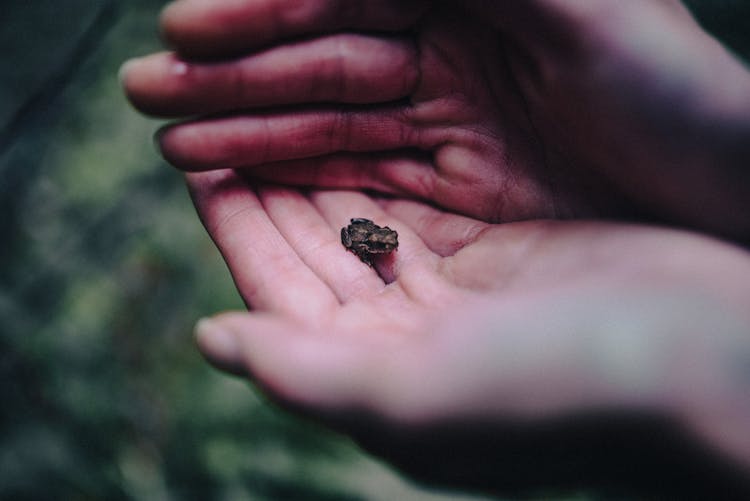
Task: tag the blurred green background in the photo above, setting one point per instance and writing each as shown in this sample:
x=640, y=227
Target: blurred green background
x=105, y=269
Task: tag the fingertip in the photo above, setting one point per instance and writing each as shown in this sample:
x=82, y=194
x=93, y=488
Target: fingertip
x=201, y=29
x=130, y=76
x=159, y=142
x=155, y=83
x=125, y=69
x=187, y=147
x=171, y=21
x=159, y=139
x=219, y=344
x=214, y=339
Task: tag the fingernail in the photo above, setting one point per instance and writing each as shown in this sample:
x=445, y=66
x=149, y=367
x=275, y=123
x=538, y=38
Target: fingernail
x=217, y=343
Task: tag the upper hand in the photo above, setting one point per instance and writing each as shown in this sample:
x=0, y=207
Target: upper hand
x=500, y=112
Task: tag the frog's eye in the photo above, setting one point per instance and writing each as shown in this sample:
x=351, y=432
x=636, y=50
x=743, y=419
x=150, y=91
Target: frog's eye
x=346, y=238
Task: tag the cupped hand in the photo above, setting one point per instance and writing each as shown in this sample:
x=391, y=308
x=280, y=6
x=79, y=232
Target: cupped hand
x=430, y=357
x=499, y=111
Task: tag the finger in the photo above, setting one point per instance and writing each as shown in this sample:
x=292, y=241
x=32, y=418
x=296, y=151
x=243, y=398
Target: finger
x=342, y=68
x=217, y=28
x=444, y=233
x=318, y=244
x=413, y=378
x=253, y=140
x=312, y=370
x=268, y=273
x=399, y=173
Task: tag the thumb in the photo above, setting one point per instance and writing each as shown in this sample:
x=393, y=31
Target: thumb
x=315, y=370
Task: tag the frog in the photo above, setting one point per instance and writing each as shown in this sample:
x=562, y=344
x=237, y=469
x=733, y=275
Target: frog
x=366, y=239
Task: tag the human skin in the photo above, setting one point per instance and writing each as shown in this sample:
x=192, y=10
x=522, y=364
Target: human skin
x=502, y=111
x=471, y=326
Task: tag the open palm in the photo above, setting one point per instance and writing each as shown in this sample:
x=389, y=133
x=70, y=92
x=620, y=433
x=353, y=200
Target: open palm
x=466, y=323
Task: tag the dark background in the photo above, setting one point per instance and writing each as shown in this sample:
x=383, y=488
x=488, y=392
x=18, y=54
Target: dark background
x=105, y=269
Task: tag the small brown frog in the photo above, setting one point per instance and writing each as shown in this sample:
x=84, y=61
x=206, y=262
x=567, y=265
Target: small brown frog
x=365, y=239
